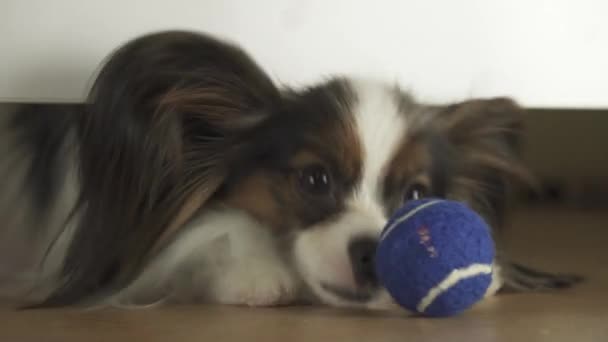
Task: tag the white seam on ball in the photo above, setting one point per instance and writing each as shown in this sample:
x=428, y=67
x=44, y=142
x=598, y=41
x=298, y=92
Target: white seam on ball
x=452, y=279
x=407, y=216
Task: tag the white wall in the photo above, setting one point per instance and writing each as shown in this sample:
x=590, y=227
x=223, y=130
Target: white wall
x=544, y=53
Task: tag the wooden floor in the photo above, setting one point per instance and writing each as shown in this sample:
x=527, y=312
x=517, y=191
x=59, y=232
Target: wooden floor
x=558, y=240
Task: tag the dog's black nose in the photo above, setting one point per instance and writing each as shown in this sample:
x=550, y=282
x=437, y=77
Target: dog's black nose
x=362, y=252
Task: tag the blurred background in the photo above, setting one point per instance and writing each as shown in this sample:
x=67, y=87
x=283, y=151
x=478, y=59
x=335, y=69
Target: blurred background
x=567, y=149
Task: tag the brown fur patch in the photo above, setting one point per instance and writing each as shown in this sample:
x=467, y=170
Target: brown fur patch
x=324, y=133
x=343, y=143
x=485, y=137
x=487, y=132
x=412, y=158
x=411, y=163
x=467, y=152
x=255, y=196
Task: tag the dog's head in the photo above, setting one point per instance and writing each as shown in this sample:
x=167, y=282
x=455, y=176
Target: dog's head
x=339, y=158
x=194, y=120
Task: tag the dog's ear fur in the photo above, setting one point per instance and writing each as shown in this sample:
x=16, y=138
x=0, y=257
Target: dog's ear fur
x=161, y=121
x=485, y=138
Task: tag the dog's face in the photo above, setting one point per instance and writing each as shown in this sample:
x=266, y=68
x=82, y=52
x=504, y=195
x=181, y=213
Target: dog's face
x=347, y=155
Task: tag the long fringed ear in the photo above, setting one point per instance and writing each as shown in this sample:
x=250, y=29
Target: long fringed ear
x=155, y=144
x=485, y=136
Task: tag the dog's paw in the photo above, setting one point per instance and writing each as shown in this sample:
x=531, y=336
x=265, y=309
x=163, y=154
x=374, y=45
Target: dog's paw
x=518, y=278
x=256, y=284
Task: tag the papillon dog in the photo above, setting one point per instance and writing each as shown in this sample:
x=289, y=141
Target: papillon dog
x=189, y=176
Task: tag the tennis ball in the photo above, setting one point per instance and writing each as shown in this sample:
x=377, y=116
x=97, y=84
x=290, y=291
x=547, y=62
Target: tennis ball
x=435, y=257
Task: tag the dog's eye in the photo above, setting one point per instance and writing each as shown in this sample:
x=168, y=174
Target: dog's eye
x=414, y=192
x=315, y=180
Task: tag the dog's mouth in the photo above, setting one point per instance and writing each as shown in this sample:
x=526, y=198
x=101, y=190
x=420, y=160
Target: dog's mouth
x=360, y=295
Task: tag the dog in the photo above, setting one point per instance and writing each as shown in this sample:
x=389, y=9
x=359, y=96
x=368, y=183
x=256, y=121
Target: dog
x=189, y=176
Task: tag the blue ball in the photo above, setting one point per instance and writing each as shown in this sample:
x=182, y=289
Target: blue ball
x=435, y=257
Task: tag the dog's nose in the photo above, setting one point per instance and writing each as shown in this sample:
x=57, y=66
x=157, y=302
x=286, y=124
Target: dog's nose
x=362, y=253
